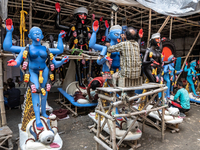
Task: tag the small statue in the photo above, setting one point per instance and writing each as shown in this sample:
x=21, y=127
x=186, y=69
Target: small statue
x=170, y=75
x=192, y=76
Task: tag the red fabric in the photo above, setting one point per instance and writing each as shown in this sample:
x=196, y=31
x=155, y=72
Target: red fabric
x=176, y=104
x=100, y=79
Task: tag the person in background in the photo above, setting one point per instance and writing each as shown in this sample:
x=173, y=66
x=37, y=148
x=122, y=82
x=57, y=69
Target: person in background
x=13, y=95
x=96, y=82
x=182, y=94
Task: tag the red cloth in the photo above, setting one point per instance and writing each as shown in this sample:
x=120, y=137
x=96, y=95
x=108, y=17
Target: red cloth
x=100, y=79
x=176, y=104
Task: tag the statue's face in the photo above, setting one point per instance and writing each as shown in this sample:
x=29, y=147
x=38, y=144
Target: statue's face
x=115, y=35
x=193, y=64
x=170, y=58
x=82, y=17
x=36, y=34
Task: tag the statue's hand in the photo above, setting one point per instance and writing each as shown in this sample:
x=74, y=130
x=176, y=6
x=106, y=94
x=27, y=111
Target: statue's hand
x=141, y=33
x=12, y=62
x=57, y=6
x=106, y=24
x=9, y=27
x=65, y=59
x=62, y=34
x=95, y=26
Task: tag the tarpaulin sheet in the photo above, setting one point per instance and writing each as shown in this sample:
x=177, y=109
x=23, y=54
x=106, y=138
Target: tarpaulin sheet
x=3, y=9
x=173, y=7
x=165, y=7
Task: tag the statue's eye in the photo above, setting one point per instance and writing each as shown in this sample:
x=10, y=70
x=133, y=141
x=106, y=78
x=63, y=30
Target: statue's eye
x=116, y=34
x=35, y=34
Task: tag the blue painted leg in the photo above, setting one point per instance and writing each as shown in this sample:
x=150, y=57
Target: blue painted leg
x=44, y=98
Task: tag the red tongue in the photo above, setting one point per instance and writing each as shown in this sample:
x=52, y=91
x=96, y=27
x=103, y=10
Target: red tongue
x=83, y=22
x=38, y=39
x=118, y=40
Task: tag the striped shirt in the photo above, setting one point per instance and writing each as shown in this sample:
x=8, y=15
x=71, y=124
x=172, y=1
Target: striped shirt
x=130, y=61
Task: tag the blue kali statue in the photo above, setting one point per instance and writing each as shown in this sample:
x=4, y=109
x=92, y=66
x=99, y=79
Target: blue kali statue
x=169, y=75
x=115, y=37
x=192, y=75
x=35, y=66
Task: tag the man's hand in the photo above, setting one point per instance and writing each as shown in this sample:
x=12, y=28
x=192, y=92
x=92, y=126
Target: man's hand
x=123, y=37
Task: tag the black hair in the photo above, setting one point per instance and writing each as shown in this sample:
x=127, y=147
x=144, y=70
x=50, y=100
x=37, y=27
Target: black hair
x=11, y=84
x=95, y=84
x=129, y=35
x=180, y=83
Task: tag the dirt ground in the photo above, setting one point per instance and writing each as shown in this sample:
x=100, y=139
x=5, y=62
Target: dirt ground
x=76, y=134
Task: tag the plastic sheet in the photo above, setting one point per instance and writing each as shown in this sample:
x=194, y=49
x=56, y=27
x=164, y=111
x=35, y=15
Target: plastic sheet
x=3, y=9
x=165, y=7
x=173, y=7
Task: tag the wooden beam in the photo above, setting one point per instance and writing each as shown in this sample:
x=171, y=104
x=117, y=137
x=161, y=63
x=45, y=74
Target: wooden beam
x=149, y=33
x=163, y=25
x=170, y=31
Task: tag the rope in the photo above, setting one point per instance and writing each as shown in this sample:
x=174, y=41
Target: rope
x=22, y=27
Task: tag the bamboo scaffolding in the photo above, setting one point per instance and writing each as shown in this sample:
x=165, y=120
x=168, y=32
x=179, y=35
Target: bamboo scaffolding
x=140, y=95
x=188, y=55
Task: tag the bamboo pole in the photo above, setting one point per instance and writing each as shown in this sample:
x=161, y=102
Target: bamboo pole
x=164, y=24
x=188, y=55
x=111, y=18
x=3, y=113
x=125, y=134
x=30, y=18
x=101, y=136
x=114, y=146
x=104, y=114
x=106, y=97
x=115, y=18
x=170, y=31
x=98, y=130
x=59, y=57
x=141, y=95
x=163, y=120
x=102, y=143
x=138, y=113
x=149, y=33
